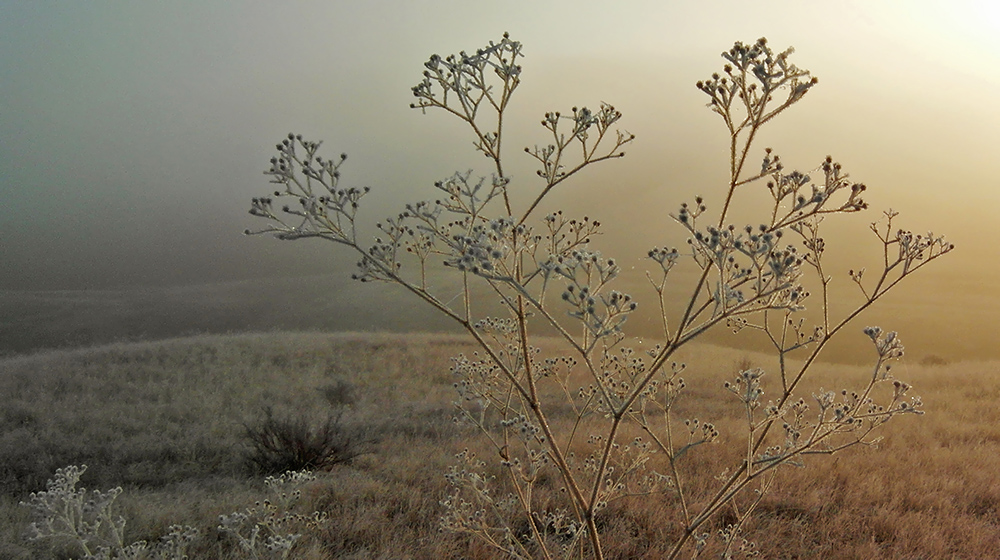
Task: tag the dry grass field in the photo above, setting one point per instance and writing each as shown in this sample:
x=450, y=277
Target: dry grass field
x=166, y=421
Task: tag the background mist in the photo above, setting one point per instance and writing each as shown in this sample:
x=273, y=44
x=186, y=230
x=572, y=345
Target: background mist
x=132, y=137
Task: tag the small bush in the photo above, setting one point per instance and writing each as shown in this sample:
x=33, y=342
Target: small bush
x=339, y=393
x=294, y=443
x=933, y=360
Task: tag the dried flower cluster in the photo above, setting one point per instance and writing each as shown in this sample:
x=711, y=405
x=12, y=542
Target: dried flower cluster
x=579, y=430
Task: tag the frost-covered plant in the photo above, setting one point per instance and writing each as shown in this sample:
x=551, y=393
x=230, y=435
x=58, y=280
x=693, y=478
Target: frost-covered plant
x=625, y=436
x=263, y=531
x=86, y=519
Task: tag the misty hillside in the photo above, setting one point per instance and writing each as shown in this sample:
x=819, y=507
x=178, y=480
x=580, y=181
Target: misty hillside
x=38, y=320
x=32, y=321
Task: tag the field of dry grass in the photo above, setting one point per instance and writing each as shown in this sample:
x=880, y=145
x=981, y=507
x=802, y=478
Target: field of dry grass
x=166, y=419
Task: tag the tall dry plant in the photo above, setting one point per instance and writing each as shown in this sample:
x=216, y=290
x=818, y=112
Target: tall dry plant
x=542, y=492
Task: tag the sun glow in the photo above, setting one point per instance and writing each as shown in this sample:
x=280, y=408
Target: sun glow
x=962, y=34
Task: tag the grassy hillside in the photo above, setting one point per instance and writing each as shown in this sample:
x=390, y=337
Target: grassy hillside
x=166, y=420
x=42, y=320
x=33, y=321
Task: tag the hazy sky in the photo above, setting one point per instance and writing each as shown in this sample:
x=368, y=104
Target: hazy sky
x=133, y=134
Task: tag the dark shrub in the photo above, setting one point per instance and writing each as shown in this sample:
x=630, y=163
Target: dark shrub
x=292, y=443
x=339, y=393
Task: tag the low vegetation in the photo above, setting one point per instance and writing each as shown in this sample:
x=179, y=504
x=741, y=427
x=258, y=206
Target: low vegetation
x=165, y=422
x=295, y=442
